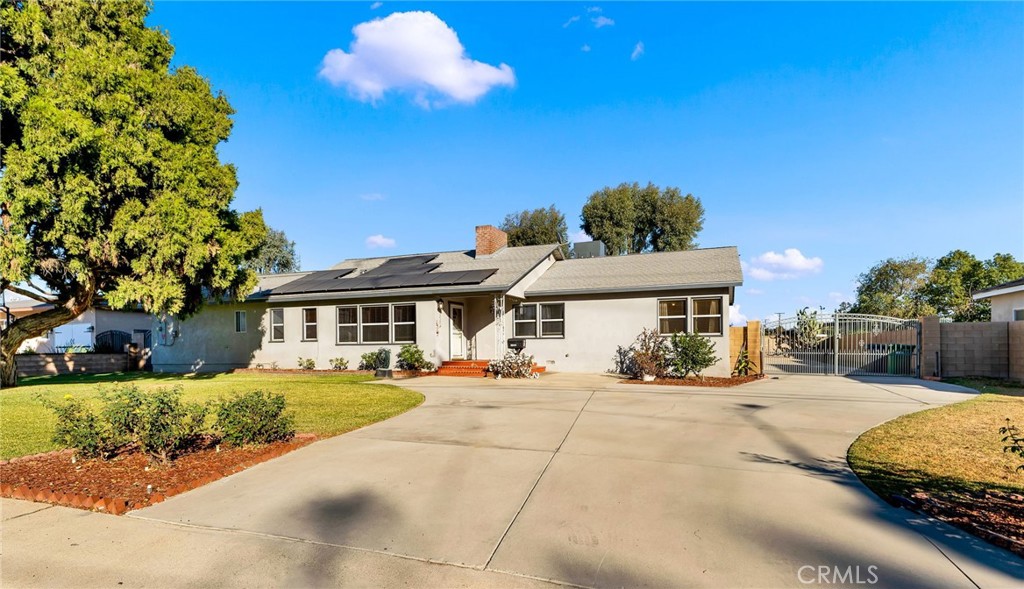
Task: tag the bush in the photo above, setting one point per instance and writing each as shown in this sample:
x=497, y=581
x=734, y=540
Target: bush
x=377, y=360
x=410, y=357
x=691, y=353
x=649, y=354
x=78, y=427
x=167, y=426
x=513, y=365
x=339, y=364
x=307, y=364
x=257, y=417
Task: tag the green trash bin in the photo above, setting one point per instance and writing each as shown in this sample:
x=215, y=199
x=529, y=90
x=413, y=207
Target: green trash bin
x=899, y=359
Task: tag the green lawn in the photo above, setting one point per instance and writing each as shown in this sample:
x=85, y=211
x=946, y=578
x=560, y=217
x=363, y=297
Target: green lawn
x=326, y=405
x=949, y=449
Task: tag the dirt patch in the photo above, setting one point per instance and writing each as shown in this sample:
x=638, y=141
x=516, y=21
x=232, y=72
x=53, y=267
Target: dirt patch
x=995, y=516
x=707, y=381
x=131, y=477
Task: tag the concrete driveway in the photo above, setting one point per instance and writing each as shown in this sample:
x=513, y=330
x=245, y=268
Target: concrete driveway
x=577, y=480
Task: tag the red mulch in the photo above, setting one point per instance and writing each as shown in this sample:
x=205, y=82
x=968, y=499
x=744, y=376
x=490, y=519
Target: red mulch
x=707, y=381
x=127, y=476
x=995, y=516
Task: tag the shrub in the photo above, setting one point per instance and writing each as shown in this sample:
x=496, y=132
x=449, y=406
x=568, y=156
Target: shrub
x=307, y=363
x=339, y=364
x=78, y=427
x=512, y=365
x=649, y=354
x=377, y=360
x=691, y=353
x=410, y=357
x=166, y=425
x=744, y=365
x=257, y=417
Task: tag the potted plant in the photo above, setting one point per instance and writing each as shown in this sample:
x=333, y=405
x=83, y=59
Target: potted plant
x=649, y=355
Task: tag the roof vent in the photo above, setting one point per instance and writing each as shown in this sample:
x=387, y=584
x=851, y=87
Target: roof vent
x=588, y=249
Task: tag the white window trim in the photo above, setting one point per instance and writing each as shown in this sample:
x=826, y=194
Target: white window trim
x=690, y=313
x=685, y=316
x=391, y=316
x=362, y=324
x=720, y=315
x=359, y=324
x=338, y=325
x=314, y=323
x=244, y=324
x=539, y=321
x=270, y=321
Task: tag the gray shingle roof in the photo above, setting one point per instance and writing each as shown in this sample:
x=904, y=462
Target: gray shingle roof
x=690, y=269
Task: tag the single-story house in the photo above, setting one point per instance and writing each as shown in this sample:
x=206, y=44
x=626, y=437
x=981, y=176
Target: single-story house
x=1007, y=300
x=98, y=328
x=572, y=313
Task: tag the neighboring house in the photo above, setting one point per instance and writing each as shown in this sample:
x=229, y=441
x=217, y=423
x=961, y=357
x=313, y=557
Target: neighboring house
x=1007, y=300
x=572, y=313
x=96, y=327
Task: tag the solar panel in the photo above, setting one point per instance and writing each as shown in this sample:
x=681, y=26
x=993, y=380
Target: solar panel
x=313, y=282
x=410, y=271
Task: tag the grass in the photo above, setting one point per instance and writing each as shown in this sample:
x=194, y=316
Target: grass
x=950, y=449
x=985, y=384
x=325, y=405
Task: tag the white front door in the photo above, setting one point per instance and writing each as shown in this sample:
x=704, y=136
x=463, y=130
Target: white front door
x=457, y=345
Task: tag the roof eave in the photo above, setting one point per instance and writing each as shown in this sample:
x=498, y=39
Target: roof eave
x=629, y=289
x=997, y=292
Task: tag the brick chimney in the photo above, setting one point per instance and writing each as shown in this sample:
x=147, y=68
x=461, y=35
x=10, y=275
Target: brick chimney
x=489, y=240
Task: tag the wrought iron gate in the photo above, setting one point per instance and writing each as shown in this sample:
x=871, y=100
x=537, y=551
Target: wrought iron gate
x=841, y=343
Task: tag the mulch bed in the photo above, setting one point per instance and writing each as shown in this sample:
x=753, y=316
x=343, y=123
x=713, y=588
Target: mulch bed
x=994, y=516
x=707, y=381
x=131, y=480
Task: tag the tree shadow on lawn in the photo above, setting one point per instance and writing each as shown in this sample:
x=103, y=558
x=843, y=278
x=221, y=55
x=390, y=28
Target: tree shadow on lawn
x=109, y=377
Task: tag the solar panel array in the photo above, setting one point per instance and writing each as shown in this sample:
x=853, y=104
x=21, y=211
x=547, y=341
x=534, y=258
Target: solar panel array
x=394, y=273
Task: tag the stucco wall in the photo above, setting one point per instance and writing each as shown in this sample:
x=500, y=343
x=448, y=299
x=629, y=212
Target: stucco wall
x=1003, y=306
x=595, y=327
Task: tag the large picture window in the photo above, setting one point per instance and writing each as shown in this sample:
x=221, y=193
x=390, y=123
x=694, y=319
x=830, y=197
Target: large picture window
x=377, y=324
x=672, y=316
x=277, y=325
x=539, y=320
x=707, y=316
x=309, y=324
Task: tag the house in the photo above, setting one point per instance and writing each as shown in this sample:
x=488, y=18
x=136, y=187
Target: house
x=573, y=314
x=98, y=328
x=1007, y=300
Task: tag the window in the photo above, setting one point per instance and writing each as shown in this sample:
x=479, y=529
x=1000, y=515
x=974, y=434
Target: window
x=405, y=323
x=707, y=316
x=1018, y=314
x=375, y=324
x=277, y=325
x=348, y=325
x=309, y=325
x=539, y=320
x=239, y=321
x=672, y=316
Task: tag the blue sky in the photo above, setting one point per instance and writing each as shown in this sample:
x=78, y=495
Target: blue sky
x=821, y=138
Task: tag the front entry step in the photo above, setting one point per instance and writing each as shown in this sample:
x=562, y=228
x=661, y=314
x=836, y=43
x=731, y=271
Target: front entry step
x=471, y=368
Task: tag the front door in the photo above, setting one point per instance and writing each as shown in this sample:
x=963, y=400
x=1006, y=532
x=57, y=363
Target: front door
x=457, y=345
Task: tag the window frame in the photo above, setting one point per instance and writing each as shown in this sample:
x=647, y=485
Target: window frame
x=685, y=316
x=394, y=323
x=720, y=315
x=538, y=321
x=359, y=324
x=306, y=324
x=244, y=324
x=1013, y=314
x=270, y=322
x=363, y=324
x=338, y=325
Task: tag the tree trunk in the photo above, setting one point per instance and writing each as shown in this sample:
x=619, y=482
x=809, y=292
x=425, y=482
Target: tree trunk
x=36, y=325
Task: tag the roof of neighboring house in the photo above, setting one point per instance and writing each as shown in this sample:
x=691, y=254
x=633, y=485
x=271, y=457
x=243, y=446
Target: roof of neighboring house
x=456, y=271
x=1000, y=289
x=712, y=267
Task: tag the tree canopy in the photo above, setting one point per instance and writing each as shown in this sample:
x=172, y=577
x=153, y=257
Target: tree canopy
x=537, y=227
x=912, y=287
x=110, y=182
x=634, y=219
x=275, y=256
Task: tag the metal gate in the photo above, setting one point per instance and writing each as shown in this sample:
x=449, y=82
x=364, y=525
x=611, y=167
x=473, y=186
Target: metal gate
x=841, y=343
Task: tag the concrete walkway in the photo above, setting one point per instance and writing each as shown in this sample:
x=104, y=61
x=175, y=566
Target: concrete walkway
x=577, y=480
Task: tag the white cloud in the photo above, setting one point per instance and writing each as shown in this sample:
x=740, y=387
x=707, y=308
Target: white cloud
x=571, y=20
x=790, y=264
x=638, y=51
x=579, y=236
x=376, y=241
x=585, y=48
x=593, y=9
x=372, y=196
x=414, y=52
x=376, y=5
x=735, y=316
x=602, y=21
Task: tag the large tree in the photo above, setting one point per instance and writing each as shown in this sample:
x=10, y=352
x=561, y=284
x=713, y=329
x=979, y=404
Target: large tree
x=894, y=287
x=633, y=219
x=275, y=256
x=537, y=227
x=959, y=274
x=110, y=183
